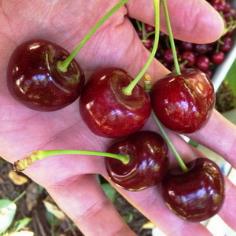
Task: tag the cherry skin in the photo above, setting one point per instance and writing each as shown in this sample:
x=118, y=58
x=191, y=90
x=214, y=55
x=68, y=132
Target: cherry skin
x=227, y=44
x=183, y=102
x=218, y=58
x=189, y=57
x=203, y=63
x=148, y=43
x=186, y=46
x=107, y=110
x=197, y=194
x=148, y=161
x=168, y=56
x=34, y=79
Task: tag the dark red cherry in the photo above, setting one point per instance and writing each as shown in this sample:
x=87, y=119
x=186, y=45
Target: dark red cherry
x=227, y=44
x=186, y=46
x=149, y=28
x=105, y=108
x=203, y=48
x=34, y=79
x=183, y=102
x=168, y=56
x=148, y=43
x=148, y=161
x=217, y=58
x=203, y=63
x=189, y=57
x=197, y=194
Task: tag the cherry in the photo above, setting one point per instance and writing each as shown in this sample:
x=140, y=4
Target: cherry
x=227, y=44
x=183, y=102
x=189, y=57
x=203, y=63
x=218, y=58
x=195, y=195
x=34, y=79
x=168, y=56
x=186, y=46
x=148, y=43
x=107, y=110
x=148, y=161
x=209, y=74
x=149, y=28
x=201, y=48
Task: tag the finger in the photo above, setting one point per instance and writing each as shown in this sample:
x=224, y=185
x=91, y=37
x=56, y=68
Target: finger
x=218, y=134
x=228, y=210
x=85, y=203
x=194, y=20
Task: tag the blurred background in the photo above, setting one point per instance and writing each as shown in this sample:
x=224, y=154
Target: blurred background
x=26, y=209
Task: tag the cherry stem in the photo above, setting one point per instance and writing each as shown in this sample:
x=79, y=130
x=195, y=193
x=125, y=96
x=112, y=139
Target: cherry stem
x=22, y=164
x=128, y=90
x=144, y=33
x=171, y=37
x=139, y=25
x=63, y=65
x=19, y=197
x=181, y=163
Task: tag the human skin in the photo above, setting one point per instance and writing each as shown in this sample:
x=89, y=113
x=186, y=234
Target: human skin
x=71, y=180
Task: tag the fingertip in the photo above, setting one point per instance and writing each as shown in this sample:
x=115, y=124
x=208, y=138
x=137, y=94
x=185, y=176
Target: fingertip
x=214, y=24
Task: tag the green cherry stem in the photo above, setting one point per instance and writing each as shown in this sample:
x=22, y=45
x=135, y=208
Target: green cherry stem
x=128, y=90
x=63, y=65
x=181, y=163
x=171, y=37
x=22, y=164
x=19, y=197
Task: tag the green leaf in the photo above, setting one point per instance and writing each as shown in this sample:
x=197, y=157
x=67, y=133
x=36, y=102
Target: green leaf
x=109, y=191
x=7, y=214
x=231, y=78
x=21, y=224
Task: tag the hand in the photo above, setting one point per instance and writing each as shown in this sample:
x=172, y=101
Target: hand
x=71, y=179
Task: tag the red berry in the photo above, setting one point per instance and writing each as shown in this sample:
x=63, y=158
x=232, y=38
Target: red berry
x=203, y=63
x=148, y=165
x=218, y=58
x=149, y=28
x=148, y=43
x=183, y=103
x=227, y=44
x=168, y=56
x=197, y=194
x=189, y=57
x=186, y=46
x=34, y=79
x=105, y=108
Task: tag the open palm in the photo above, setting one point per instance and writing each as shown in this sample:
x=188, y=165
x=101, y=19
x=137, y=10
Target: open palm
x=71, y=180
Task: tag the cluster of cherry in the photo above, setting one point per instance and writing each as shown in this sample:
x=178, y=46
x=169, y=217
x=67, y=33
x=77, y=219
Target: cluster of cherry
x=43, y=76
x=205, y=57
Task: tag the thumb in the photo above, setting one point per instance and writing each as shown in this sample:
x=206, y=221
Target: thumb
x=195, y=21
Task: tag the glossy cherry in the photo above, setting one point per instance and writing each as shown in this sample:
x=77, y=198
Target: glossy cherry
x=34, y=79
x=188, y=57
x=148, y=161
x=227, y=44
x=186, y=46
x=203, y=63
x=218, y=57
x=183, y=102
x=107, y=110
x=168, y=56
x=197, y=194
